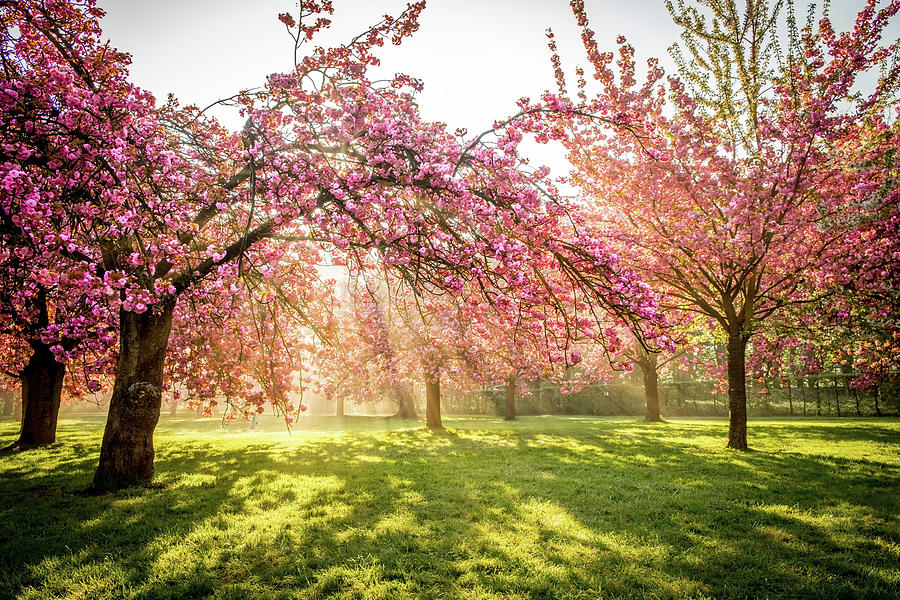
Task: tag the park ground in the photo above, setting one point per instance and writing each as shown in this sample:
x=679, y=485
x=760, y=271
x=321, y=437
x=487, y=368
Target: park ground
x=543, y=507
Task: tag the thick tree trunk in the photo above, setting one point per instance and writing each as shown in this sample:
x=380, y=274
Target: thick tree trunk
x=173, y=407
x=511, y=396
x=126, y=455
x=737, y=391
x=433, y=402
x=406, y=404
x=649, y=365
x=42, y=381
x=339, y=405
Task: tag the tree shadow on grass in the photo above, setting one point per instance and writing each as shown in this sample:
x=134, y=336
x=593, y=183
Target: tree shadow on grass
x=845, y=431
x=494, y=511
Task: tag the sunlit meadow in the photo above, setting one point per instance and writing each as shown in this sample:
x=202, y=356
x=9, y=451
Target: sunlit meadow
x=719, y=235
x=544, y=507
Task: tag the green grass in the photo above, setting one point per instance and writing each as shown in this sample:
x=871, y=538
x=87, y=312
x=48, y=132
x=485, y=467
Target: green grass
x=537, y=508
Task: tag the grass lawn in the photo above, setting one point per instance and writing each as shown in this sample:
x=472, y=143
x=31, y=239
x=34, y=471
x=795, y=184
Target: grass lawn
x=544, y=507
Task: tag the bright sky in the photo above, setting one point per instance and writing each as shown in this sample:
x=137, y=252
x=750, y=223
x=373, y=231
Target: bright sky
x=476, y=57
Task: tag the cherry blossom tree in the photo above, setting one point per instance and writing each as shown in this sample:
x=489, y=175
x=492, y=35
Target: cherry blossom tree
x=863, y=311
x=168, y=202
x=361, y=361
x=53, y=301
x=248, y=343
x=848, y=339
x=740, y=191
x=395, y=339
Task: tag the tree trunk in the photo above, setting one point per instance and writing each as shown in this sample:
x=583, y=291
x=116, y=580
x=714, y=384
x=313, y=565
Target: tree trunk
x=126, y=455
x=651, y=386
x=42, y=380
x=406, y=408
x=877, y=409
x=790, y=398
x=433, y=402
x=511, y=396
x=339, y=406
x=173, y=407
x=737, y=391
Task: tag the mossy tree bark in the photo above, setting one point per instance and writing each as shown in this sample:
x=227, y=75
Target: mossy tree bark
x=126, y=454
x=42, y=381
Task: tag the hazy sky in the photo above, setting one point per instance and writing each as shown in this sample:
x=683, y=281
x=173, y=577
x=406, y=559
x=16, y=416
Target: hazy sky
x=476, y=57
